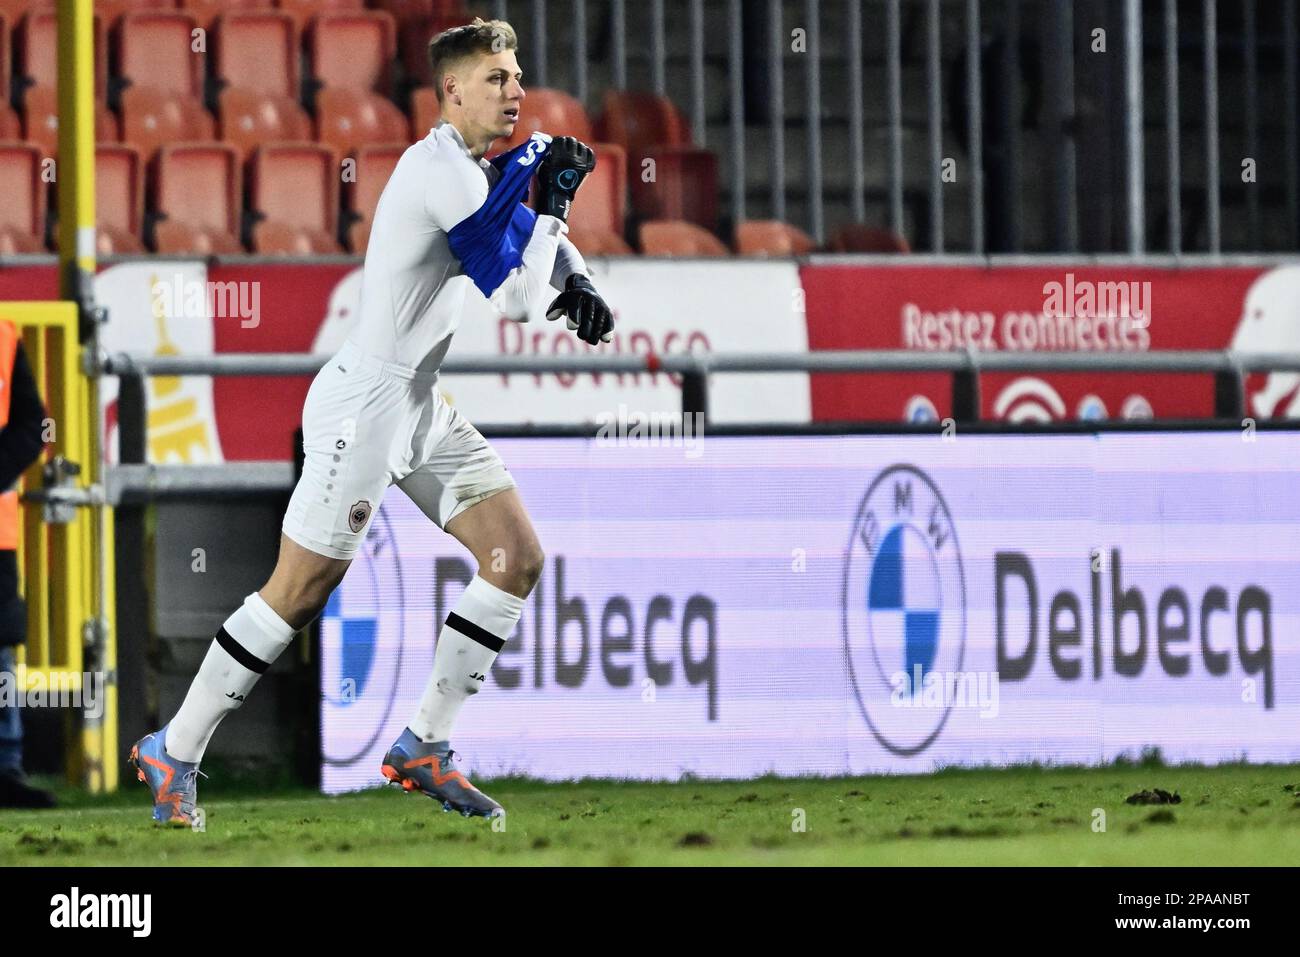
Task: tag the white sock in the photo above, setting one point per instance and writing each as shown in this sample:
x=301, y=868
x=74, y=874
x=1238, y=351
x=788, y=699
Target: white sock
x=475, y=630
x=248, y=643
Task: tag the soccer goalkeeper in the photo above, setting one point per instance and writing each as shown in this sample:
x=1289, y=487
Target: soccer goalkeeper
x=449, y=225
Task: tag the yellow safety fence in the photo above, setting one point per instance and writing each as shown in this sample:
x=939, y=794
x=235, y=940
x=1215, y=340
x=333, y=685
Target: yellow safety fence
x=66, y=569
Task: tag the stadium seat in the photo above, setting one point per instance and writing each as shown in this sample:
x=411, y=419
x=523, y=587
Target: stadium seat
x=637, y=121
x=205, y=12
x=599, y=242
x=257, y=51
x=674, y=238
x=549, y=111
x=10, y=128
x=304, y=11
x=111, y=10
x=770, y=237
x=348, y=119
x=15, y=10
x=5, y=68
x=413, y=45
x=404, y=11
x=860, y=238
x=119, y=199
x=152, y=118
x=41, y=120
x=375, y=164
x=294, y=194
x=353, y=51
x=685, y=185
x=196, y=199
x=22, y=214
x=425, y=111
x=6, y=114
x=154, y=50
x=601, y=205
x=248, y=119
x=37, y=68
x=37, y=51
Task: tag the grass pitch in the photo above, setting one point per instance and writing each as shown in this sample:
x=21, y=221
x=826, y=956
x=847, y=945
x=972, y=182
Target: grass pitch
x=1227, y=815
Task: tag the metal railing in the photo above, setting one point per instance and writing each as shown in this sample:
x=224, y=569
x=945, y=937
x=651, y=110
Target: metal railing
x=1228, y=368
x=929, y=41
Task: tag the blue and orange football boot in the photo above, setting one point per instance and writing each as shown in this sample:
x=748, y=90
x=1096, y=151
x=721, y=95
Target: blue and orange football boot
x=428, y=768
x=174, y=783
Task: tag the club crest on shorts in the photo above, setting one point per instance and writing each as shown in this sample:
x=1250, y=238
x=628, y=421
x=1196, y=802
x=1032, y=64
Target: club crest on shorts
x=358, y=515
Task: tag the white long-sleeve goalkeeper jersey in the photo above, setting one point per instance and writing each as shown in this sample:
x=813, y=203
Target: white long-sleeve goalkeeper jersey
x=414, y=289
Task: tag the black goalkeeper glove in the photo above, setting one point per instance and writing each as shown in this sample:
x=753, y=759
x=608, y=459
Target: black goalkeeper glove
x=584, y=309
x=563, y=169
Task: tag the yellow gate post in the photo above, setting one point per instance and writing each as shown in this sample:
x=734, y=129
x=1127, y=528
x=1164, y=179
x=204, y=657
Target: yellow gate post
x=95, y=758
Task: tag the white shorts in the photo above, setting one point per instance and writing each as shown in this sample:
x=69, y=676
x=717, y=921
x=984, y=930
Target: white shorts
x=368, y=424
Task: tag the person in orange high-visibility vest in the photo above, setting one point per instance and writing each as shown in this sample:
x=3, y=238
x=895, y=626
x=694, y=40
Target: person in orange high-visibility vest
x=22, y=417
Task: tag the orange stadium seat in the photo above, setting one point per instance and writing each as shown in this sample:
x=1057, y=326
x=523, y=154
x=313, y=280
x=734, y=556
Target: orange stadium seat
x=860, y=238
x=303, y=11
x=205, y=12
x=247, y=120
x=152, y=118
x=599, y=242
x=155, y=50
x=256, y=61
x=413, y=45
x=111, y=10
x=41, y=120
x=648, y=126
x=10, y=128
x=257, y=51
x=675, y=238
x=406, y=10
x=685, y=185
x=22, y=214
x=196, y=198
x=119, y=199
x=10, y=14
x=637, y=121
x=347, y=120
x=771, y=237
x=37, y=49
x=15, y=10
x=425, y=111
x=294, y=193
x=375, y=164
x=353, y=50
x=5, y=68
x=602, y=198
x=549, y=111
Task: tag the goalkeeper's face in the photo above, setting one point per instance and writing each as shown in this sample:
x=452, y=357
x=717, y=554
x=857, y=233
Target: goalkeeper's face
x=491, y=94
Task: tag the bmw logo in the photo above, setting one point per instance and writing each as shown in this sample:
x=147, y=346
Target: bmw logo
x=361, y=636
x=904, y=606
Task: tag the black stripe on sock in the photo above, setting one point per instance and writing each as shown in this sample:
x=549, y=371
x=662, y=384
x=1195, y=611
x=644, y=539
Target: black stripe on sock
x=475, y=632
x=240, y=653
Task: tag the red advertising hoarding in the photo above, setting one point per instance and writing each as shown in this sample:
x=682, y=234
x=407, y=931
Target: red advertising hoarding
x=1049, y=308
